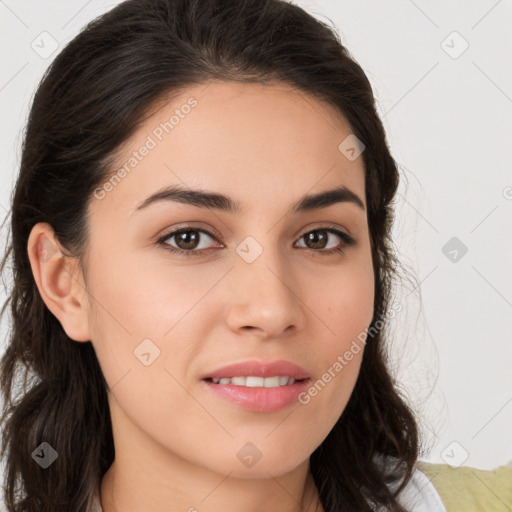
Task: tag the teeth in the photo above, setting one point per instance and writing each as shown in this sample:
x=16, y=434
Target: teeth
x=238, y=381
x=257, y=382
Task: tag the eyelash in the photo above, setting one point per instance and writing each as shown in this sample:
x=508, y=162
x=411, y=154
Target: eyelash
x=347, y=241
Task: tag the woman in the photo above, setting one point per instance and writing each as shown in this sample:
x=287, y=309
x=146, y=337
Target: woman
x=202, y=273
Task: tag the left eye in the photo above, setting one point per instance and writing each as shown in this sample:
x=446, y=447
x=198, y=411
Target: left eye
x=189, y=239
x=321, y=235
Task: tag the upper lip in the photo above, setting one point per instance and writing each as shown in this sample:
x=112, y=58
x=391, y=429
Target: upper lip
x=259, y=369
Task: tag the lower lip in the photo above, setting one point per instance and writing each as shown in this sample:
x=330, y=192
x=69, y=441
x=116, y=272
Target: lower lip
x=259, y=399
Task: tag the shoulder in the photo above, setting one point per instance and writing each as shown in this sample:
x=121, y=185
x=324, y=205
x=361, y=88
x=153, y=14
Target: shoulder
x=96, y=503
x=419, y=494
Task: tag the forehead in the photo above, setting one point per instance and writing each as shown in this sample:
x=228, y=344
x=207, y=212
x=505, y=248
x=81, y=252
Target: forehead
x=237, y=139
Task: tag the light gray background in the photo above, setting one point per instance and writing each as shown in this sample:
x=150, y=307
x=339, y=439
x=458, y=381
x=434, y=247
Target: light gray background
x=448, y=117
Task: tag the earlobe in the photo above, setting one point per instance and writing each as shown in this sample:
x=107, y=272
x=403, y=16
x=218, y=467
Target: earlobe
x=59, y=280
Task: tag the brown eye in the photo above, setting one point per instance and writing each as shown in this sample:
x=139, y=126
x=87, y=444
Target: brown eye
x=317, y=240
x=187, y=241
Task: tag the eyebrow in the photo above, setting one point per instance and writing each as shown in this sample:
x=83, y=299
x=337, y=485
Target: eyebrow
x=216, y=201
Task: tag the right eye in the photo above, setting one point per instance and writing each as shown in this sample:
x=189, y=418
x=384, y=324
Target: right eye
x=188, y=237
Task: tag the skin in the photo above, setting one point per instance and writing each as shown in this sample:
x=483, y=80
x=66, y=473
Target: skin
x=176, y=443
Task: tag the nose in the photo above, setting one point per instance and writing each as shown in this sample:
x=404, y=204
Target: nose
x=265, y=298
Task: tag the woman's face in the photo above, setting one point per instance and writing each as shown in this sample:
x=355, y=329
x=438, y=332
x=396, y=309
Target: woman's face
x=265, y=284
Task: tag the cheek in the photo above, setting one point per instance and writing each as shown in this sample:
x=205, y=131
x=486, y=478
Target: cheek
x=348, y=305
x=145, y=300
x=147, y=314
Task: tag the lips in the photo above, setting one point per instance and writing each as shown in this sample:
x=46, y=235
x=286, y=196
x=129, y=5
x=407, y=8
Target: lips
x=256, y=399
x=257, y=368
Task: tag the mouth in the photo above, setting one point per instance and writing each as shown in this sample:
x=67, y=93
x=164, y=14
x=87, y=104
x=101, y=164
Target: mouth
x=257, y=394
x=256, y=382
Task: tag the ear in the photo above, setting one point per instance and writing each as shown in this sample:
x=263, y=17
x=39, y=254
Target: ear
x=60, y=281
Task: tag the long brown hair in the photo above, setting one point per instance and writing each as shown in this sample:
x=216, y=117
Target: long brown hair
x=92, y=98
